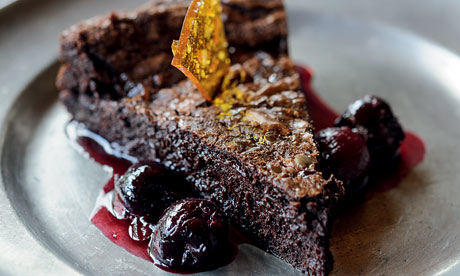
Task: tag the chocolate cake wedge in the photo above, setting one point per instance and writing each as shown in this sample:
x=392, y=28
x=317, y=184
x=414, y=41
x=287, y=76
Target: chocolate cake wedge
x=251, y=150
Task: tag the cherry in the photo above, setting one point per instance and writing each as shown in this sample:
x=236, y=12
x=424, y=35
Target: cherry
x=139, y=229
x=343, y=153
x=373, y=119
x=148, y=188
x=191, y=234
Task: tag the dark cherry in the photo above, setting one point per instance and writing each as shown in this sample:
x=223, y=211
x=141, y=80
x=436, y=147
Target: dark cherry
x=343, y=153
x=192, y=234
x=139, y=229
x=148, y=188
x=373, y=118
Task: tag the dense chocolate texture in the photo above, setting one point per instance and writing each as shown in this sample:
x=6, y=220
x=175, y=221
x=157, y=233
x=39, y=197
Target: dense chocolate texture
x=252, y=151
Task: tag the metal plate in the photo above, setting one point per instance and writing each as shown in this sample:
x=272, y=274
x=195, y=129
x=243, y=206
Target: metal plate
x=47, y=189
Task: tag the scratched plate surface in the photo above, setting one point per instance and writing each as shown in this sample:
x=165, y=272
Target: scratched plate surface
x=47, y=189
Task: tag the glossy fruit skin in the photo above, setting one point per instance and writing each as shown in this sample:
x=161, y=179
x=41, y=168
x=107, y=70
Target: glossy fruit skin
x=192, y=234
x=147, y=189
x=343, y=153
x=373, y=119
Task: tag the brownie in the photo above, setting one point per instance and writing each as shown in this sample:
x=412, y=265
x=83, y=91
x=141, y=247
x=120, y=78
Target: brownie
x=251, y=151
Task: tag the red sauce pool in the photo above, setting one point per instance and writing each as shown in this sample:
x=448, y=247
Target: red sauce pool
x=412, y=152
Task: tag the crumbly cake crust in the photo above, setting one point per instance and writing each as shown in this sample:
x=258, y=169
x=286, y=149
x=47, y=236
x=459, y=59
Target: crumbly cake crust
x=253, y=152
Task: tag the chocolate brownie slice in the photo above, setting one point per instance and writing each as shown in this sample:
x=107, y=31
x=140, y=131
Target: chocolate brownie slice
x=251, y=151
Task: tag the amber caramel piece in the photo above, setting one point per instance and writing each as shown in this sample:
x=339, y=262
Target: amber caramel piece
x=201, y=52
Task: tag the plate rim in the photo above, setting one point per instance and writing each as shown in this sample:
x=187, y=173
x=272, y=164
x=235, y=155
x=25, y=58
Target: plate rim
x=10, y=104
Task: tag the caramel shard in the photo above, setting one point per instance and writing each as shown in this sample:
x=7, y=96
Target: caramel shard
x=201, y=52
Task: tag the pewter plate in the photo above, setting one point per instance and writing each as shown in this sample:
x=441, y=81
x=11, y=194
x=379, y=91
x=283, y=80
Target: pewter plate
x=47, y=189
